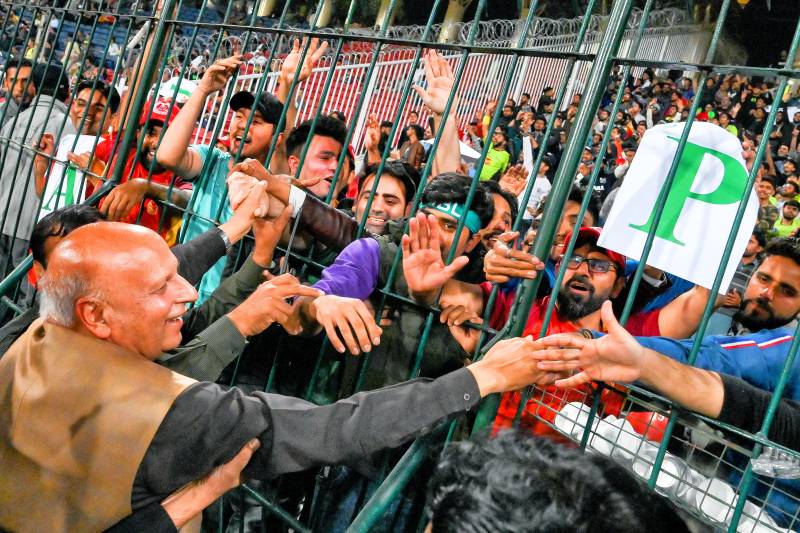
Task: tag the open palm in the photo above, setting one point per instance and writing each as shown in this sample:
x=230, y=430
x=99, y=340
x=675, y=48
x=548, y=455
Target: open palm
x=614, y=357
x=292, y=60
x=423, y=267
x=440, y=83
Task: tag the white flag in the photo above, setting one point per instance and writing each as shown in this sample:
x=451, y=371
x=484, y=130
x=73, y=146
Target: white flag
x=705, y=194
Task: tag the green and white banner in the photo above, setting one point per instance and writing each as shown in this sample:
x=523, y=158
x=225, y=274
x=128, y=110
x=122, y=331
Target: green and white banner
x=705, y=194
x=65, y=184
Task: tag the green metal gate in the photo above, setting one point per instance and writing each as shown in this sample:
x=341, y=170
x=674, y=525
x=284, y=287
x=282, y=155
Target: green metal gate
x=490, y=61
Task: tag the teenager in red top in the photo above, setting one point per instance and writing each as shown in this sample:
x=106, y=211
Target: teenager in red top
x=138, y=187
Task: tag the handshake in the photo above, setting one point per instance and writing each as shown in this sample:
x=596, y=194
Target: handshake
x=246, y=177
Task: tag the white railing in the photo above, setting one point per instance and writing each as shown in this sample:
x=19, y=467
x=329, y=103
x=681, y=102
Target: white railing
x=480, y=83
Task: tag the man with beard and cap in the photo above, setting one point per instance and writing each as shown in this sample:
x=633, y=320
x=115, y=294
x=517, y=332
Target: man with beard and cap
x=594, y=275
x=757, y=354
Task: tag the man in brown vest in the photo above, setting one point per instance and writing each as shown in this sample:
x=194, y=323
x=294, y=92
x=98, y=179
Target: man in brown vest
x=91, y=429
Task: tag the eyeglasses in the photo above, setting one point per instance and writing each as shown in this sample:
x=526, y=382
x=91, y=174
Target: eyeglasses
x=596, y=266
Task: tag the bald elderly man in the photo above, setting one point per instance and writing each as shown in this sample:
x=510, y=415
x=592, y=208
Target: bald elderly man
x=91, y=429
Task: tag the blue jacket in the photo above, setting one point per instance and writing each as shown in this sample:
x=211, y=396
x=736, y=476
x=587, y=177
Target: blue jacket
x=757, y=358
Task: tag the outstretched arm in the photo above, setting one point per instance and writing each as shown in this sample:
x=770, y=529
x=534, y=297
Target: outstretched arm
x=296, y=435
x=289, y=69
x=441, y=82
x=617, y=356
x=680, y=318
x=174, y=152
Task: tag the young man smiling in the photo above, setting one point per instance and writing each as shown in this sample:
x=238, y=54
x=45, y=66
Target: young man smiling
x=208, y=167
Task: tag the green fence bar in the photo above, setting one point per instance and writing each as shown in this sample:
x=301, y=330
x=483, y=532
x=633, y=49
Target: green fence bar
x=363, y=68
x=595, y=86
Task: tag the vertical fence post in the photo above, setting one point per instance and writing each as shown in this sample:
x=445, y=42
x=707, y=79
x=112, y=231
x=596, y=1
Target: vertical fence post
x=595, y=88
x=149, y=68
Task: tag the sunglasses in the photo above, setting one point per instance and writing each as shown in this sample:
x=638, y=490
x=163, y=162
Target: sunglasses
x=596, y=266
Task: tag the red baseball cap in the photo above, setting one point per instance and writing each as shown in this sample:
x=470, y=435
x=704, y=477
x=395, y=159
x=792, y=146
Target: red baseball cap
x=160, y=112
x=590, y=234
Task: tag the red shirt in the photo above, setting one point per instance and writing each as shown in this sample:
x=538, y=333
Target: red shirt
x=151, y=217
x=540, y=412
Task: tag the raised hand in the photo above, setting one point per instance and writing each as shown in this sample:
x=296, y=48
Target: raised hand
x=347, y=322
x=440, y=83
x=217, y=75
x=290, y=63
x=423, y=267
x=502, y=262
x=514, y=179
x=372, y=136
x=614, y=357
x=268, y=305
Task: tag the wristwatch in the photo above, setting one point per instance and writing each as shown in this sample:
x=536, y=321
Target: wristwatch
x=225, y=239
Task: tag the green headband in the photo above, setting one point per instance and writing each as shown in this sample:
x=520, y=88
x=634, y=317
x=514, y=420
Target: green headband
x=454, y=209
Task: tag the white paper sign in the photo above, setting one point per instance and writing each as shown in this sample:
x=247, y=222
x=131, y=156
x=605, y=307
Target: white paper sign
x=700, y=209
x=65, y=183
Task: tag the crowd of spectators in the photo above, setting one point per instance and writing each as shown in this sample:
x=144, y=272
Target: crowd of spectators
x=292, y=241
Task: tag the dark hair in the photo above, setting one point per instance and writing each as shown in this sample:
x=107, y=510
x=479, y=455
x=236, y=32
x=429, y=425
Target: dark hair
x=61, y=223
x=111, y=94
x=418, y=131
x=46, y=79
x=576, y=195
x=401, y=170
x=788, y=247
x=453, y=187
x=412, y=111
x=792, y=203
x=493, y=187
x=502, y=131
x=386, y=124
x=518, y=482
x=769, y=179
x=338, y=114
x=796, y=189
x=326, y=127
x=17, y=63
x=758, y=233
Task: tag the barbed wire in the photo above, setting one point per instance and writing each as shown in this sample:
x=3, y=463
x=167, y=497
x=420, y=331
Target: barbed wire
x=545, y=33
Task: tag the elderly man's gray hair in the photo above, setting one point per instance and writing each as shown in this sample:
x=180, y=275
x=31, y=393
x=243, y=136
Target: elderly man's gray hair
x=58, y=294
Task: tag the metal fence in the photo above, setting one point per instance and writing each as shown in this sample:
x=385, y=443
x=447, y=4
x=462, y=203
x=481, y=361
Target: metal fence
x=670, y=38
x=371, y=72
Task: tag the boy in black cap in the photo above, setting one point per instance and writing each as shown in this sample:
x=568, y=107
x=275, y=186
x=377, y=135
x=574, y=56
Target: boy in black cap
x=207, y=166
